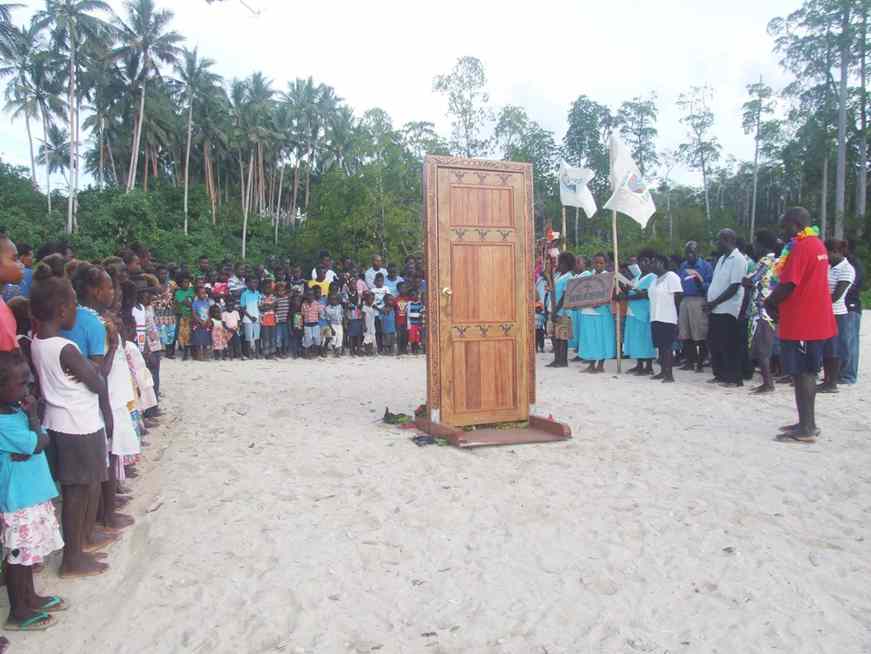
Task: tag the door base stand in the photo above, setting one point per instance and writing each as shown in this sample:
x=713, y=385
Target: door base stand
x=540, y=430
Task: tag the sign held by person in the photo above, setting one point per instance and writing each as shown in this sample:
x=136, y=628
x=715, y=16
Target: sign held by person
x=589, y=291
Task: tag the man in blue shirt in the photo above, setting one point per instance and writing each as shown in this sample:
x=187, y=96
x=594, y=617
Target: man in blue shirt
x=695, y=274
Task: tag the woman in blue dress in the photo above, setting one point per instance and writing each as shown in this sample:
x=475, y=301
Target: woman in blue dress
x=575, y=343
x=562, y=322
x=638, y=339
x=598, y=335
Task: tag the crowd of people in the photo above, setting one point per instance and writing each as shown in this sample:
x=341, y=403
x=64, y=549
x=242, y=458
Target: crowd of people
x=80, y=350
x=236, y=312
x=81, y=345
x=723, y=312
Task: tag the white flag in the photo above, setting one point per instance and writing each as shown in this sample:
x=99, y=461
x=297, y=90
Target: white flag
x=573, y=191
x=631, y=195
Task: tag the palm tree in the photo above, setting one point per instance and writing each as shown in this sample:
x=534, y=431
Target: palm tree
x=47, y=88
x=198, y=81
x=145, y=33
x=103, y=86
x=22, y=47
x=71, y=23
x=54, y=154
x=7, y=29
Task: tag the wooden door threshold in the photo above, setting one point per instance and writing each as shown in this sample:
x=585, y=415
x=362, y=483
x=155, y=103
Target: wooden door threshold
x=540, y=430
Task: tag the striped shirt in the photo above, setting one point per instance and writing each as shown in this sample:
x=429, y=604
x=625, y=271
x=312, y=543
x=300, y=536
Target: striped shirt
x=282, y=309
x=843, y=272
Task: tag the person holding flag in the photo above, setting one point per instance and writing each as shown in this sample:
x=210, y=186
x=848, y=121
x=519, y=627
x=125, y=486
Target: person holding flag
x=631, y=197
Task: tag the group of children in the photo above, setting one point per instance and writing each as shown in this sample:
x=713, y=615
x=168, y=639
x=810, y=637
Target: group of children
x=77, y=397
x=297, y=318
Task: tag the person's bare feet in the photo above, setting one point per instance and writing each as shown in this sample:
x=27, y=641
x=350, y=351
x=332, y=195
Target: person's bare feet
x=82, y=567
x=119, y=521
x=100, y=540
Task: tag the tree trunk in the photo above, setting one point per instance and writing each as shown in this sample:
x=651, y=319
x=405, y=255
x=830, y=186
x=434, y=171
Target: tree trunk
x=76, y=175
x=294, y=194
x=187, y=160
x=841, y=169
x=72, y=109
x=862, y=177
x=47, y=164
x=145, y=172
x=755, y=179
x=247, y=204
x=824, y=200
x=707, y=194
x=112, y=160
x=102, y=166
x=33, y=181
x=278, y=203
x=137, y=138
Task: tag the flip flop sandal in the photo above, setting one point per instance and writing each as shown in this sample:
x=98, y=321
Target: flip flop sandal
x=795, y=438
x=55, y=604
x=39, y=622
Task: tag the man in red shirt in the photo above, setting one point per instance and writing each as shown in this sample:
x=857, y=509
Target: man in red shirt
x=802, y=306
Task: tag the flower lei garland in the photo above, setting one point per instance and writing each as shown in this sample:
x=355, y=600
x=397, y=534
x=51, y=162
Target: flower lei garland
x=788, y=248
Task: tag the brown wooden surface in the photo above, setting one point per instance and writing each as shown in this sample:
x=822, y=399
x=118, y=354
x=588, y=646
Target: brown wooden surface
x=480, y=363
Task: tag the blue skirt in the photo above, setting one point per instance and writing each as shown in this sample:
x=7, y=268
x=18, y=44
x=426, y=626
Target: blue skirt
x=638, y=339
x=598, y=337
x=575, y=315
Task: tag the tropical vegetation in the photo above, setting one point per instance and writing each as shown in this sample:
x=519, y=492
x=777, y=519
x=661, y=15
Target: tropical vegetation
x=176, y=155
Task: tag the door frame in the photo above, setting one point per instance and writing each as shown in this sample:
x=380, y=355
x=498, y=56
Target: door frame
x=431, y=166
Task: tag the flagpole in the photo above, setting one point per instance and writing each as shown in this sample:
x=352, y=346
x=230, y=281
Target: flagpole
x=577, y=225
x=565, y=236
x=617, y=318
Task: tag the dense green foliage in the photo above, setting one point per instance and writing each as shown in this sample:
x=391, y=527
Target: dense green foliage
x=189, y=162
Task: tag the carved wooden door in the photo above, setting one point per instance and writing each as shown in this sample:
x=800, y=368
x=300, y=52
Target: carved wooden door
x=480, y=296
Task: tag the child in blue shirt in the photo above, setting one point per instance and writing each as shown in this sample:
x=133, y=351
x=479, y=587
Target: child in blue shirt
x=29, y=528
x=388, y=325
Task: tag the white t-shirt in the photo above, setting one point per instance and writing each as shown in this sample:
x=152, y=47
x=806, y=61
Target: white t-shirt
x=70, y=406
x=730, y=269
x=370, y=276
x=661, y=294
x=329, y=274
x=843, y=272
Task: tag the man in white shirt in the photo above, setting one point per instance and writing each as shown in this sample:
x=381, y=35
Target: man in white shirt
x=377, y=267
x=664, y=294
x=326, y=261
x=842, y=275
x=725, y=298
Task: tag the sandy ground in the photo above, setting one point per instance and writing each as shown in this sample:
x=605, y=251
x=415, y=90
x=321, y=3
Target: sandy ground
x=276, y=514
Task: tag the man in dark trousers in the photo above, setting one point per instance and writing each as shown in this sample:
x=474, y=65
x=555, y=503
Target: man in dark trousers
x=725, y=297
x=802, y=306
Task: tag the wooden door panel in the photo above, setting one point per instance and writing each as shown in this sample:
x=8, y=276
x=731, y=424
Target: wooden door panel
x=478, y=206
x=485, y=375
x=480, y=293
x=482, y=281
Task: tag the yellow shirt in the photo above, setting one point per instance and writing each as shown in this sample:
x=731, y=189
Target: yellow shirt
x=324, y=286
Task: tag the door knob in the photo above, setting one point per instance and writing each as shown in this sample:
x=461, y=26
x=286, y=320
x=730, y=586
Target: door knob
x=446, y=291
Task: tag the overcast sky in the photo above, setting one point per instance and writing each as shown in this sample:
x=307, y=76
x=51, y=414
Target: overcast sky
x=539, y=55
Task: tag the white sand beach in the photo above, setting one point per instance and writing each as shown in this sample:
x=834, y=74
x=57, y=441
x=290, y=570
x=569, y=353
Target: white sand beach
x=277, y=514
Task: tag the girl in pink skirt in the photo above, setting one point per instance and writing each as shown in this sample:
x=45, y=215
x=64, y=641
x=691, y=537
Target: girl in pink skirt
x=28, y=524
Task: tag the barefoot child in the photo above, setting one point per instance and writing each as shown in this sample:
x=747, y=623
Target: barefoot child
x=230, y=318
x=202, y=324
x=219, y=333
x=184, y=298
x=29, y=528
x=71, y=387
x=369, y=312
